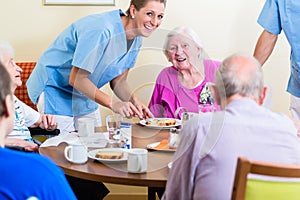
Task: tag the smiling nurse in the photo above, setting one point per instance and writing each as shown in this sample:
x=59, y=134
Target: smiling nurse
x=95, y=50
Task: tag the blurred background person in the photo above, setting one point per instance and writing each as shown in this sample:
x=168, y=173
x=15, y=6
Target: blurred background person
x=277, y=16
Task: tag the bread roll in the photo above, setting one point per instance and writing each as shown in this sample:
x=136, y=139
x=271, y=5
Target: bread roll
x=109, y=154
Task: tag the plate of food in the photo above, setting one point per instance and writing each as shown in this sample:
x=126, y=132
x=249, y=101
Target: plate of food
x=161, y=146
x=160, y=123
x=108, y=155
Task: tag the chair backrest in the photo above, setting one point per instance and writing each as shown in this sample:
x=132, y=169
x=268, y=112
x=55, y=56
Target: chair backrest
x=285, y=187
x=21, y=92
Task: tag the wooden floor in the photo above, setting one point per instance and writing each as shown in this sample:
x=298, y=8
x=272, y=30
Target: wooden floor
x=122, y=192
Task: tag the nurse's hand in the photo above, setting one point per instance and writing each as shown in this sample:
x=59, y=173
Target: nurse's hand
x=126, y=109
x=146, y=113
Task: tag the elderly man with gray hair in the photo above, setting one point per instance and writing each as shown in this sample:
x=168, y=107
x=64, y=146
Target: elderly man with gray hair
x=205, y=160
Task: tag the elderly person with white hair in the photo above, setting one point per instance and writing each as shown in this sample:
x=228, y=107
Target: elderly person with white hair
x=184, y=84
x=25, y=116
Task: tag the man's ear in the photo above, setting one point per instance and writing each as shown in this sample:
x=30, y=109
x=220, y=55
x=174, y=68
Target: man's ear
x=215, y=93
x=263, y=95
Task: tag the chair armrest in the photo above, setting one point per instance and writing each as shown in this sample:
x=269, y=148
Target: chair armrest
x=17, y=148
x=40, y=131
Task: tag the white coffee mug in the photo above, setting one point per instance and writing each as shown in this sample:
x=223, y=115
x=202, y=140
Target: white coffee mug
x=86, y=127
x=137, y=160
x=76, y=153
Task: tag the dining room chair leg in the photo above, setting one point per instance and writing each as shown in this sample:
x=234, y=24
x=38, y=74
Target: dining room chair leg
x=152, y=191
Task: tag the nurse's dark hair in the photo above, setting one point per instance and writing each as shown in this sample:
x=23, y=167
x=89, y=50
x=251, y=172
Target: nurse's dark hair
x=138, y=4
x=5, y=88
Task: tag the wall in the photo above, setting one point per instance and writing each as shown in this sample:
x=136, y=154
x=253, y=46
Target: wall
x=225, y=27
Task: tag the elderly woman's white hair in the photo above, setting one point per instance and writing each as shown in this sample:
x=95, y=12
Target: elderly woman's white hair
x=6, y=48
x=185, y=31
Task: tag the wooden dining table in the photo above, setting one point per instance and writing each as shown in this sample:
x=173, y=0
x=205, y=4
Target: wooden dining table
x=116, y=172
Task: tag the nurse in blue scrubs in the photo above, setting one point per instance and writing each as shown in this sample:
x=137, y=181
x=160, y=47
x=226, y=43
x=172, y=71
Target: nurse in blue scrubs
x=95, y=50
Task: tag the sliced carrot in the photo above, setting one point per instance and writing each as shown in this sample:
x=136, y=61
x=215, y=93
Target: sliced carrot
x=163, y=144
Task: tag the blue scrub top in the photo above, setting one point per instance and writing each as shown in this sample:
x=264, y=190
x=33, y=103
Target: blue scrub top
x=278, y=15
x=96, y=43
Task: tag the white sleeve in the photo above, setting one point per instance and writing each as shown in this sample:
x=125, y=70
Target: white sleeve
x=30, y=115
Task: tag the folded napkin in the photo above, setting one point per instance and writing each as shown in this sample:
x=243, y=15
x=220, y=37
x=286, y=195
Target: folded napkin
x=95, y=140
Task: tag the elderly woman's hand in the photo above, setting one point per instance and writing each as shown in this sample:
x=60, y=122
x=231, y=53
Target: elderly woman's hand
x=28, y=146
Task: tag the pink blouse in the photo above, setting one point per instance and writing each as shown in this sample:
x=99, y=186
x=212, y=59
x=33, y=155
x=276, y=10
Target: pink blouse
x=169, y=94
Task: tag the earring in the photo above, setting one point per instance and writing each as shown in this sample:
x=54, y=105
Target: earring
x=132, y=17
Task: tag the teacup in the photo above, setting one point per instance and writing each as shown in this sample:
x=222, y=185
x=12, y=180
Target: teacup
x=86, y=127
x=76, y=153
x=137, y=160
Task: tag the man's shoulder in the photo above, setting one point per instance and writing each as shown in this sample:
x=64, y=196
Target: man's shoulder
x=43, y=177
x=31, y=161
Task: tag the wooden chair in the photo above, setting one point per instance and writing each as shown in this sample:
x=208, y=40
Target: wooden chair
x=285, y=187
x=21, y=92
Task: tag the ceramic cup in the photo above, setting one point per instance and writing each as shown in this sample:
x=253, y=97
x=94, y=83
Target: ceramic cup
x=76, y=153
x=137, y=160
x=86, y=127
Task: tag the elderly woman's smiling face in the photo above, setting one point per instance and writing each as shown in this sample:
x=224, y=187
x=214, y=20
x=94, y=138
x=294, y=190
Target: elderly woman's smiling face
x=182, y=51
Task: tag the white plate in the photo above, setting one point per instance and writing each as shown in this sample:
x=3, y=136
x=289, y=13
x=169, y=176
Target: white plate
x=92, y=154
x=153, y=145
x=154, y=126
x=93, y=142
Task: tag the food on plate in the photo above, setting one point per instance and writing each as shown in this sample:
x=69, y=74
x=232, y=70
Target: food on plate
x=166, y=122
x=148, y=122
x=162, y=145
x=161, y=122
x=109, y=154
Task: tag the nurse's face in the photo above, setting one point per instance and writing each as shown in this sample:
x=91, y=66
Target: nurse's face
x=148, y=18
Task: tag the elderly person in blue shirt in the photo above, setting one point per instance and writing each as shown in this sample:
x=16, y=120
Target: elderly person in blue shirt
x=277, y=16
x=25, y=175
x=205, y=160
x=93, y=51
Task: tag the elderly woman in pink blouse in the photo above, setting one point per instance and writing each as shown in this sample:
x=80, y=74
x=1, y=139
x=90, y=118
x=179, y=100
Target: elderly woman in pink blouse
x=185, y=83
